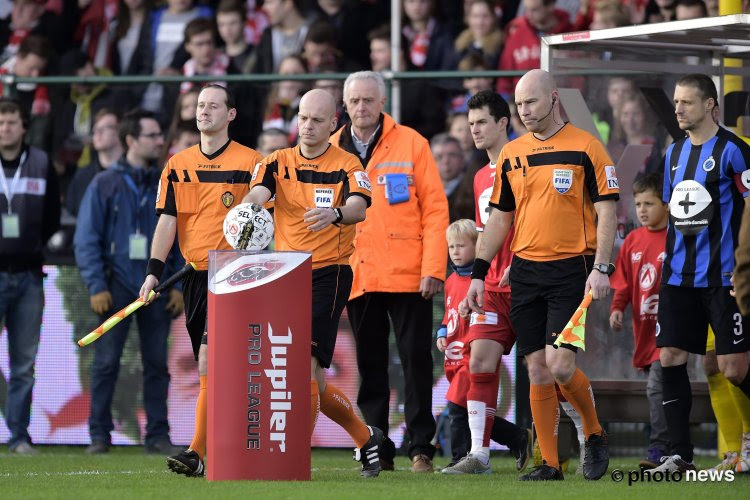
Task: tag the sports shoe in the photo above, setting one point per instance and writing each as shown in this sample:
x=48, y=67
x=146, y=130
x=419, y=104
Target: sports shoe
x=729, y=463
x=469, y=465
x=596, y=459
x=186, y=462
x=525, y=451
x=97, y=448
x=543, y=473
x=673, y=463
x=653, y=458
x=440, y=470
x=24, y=448
x=421, y=463
x=369, y=453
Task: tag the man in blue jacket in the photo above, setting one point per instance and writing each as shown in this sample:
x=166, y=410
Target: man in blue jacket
x=112, y=242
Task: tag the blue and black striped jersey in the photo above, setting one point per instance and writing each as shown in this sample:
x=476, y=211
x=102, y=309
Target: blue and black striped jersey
x=705, y=186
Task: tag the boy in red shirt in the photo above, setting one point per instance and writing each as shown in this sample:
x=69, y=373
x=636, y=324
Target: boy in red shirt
x=636, y=281
x=462, y=239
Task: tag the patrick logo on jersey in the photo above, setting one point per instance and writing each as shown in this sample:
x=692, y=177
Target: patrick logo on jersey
x=690, y=207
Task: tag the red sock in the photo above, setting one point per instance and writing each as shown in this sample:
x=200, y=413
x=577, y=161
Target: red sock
x=545, y=410
x=578, y=393
x=484, y=389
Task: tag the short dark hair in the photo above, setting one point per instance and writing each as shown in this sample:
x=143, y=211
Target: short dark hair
x=321, y=32
x=10, y=105
x=229, y=6
x=105, y=112
x=130, y=125
x=495, y=103
x=703, y=83
x=382, y=32
x=200, y=25
x=472, y=62
x=653, y=181
x=693, y=3
x=37, y=45
x=229, y=101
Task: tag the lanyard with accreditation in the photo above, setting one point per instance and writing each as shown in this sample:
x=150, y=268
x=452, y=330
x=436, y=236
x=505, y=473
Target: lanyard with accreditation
x=10, y=222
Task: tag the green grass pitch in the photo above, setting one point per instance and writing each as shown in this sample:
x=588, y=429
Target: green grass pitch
x=67, y=472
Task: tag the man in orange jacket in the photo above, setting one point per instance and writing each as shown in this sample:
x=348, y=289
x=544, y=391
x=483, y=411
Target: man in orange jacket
x=399, y=263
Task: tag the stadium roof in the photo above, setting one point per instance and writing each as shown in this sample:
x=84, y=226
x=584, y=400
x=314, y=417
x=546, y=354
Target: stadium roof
x=677, y=47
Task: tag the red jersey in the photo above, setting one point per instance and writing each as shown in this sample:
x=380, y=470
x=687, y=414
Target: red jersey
x=636, y=280
x=484, y=180
x=456, y=287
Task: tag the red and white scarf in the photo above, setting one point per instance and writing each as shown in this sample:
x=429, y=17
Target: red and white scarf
x=218, y=68
x=419, y=43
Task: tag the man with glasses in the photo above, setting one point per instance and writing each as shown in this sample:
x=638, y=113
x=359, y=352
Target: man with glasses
x=112, y=241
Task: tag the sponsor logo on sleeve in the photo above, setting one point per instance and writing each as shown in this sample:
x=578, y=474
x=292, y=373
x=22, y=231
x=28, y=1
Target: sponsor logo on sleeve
x=363, y=181
x=611, y=174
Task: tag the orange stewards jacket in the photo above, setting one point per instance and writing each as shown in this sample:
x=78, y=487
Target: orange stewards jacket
x=399, y=243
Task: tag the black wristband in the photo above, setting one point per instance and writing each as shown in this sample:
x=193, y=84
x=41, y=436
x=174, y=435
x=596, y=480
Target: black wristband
x=155, y=267
x=480, y=269
x=339, y=215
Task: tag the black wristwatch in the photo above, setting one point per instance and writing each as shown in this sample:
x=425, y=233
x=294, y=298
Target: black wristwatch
x=603, y=268
x=339, y=215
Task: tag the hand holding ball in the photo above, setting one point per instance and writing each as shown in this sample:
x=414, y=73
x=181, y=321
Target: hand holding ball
x=248, y=227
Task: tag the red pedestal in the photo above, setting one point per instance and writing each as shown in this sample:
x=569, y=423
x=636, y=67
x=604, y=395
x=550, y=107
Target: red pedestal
x=259, y=313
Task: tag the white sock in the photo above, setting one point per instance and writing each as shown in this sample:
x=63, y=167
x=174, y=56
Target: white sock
x=576, y=418
x=477, y=410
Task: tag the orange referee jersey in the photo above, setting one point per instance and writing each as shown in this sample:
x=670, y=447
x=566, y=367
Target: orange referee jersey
x=300, y=183
x=199, y=190
x=552, y=185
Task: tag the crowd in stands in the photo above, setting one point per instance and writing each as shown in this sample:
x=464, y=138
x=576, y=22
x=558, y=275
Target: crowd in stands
x=290, y=37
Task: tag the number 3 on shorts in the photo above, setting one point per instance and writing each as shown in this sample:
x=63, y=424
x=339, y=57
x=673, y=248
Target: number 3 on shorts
x=737, y=323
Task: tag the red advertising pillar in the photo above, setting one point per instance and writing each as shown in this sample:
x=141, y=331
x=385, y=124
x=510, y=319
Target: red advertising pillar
x=259, y=314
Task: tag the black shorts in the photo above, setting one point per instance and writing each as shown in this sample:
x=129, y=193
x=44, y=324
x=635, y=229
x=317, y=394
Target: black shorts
x=686, y=312
x=543, y=298
x=195, y=294
x=330, y=291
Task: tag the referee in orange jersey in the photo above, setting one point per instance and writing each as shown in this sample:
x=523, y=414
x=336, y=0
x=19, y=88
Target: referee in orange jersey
x=554, y=180
x=321, y=193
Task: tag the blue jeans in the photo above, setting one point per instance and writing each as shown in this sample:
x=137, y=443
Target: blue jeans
x=21, y=305
x=153, y=330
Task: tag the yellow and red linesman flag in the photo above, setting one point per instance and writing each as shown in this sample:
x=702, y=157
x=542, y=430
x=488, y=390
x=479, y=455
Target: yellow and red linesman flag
x=134, y=306
x=574, y=332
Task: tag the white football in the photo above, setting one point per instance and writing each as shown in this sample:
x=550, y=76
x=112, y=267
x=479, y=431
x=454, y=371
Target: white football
x=248, y=227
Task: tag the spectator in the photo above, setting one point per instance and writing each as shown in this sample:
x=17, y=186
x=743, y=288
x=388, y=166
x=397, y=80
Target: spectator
x=411, y=279
x=712, y=7
x=205, y=57
x=658, y=11
x=283, y=38
x=689, y=9
x=427, y=120
x=185, y=135
x=130, y=52
x=107, y=147
x=283, y=101
x=635, y=125
x=483, y=35
x=606, y=113
x=166, y=44
x=184, y=112
x=458, y=127
x=349, y=21
x=93, y=34
x=31, y=17
x=32, y=58
x=452, y=169
x=319, y=50
x=471, y=62
x=74, y=112
x=30, y=216
x=522, y=49
x=271, y=140
x=112, y=242
x=230, y=19
x=609, y=14
x=430, y=43
x=255, y=22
